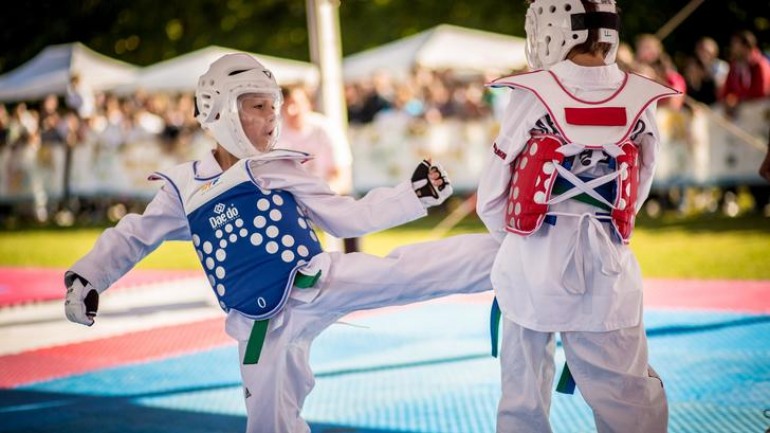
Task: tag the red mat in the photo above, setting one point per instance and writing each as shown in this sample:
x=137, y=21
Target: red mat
x=23, y=285
x=142, y=346
x=730, y=295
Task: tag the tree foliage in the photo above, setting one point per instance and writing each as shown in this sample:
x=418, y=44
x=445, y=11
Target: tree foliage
x=143, y=32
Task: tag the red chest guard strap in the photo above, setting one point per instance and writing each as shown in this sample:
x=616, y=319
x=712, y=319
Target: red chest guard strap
x=533, y=178
x=624, y=208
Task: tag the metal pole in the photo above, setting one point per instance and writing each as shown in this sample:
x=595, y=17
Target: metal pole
x=677, y=19
x=326, y=52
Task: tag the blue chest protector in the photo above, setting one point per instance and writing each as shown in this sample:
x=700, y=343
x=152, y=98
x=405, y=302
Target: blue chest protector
x=250, y=242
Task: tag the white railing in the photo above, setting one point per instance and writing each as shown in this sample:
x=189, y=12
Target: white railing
x=699, y=147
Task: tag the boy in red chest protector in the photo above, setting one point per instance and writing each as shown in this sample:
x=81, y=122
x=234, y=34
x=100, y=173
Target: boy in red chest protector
x=570, y=168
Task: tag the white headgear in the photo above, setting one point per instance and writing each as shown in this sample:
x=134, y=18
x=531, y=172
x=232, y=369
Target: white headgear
x=554, y=27
x=216, y=100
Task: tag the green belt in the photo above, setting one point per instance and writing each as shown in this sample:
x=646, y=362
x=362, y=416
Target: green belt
x=302, y=281
x=259, y=330
x=256, y=340
x=566, y=384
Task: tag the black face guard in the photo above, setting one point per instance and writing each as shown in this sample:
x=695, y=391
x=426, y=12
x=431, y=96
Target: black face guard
x=595, y=20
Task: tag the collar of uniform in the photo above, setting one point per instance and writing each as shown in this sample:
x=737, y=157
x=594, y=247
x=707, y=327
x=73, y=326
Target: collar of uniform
x=607, y=77
x=207, y=167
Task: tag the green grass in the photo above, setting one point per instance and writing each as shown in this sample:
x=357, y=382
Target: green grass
x=671, y=247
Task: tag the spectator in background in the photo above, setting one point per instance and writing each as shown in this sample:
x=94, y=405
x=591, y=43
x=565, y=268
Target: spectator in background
x=5, y=121
x=469, y=98
x=5, y=149
x=749, y=75
x=23, y=122
x=377, y=96
x=705, y=72
x=653, y=62
x=761, y=193
x=80, y=97
x=625, y=57
x=438, y=101
x=308, y=131
x=354, y=99
x=764, y=169
x=51, y=157
x=22, y=173
x=179, y=126
x=49, y=121
x=405, y=108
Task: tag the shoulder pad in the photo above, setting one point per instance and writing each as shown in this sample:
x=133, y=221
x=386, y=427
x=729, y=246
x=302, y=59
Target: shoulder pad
x=173, y=172
x=282, y=154
x=517, y=80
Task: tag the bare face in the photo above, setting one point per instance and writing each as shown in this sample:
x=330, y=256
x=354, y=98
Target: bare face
x=259, y=115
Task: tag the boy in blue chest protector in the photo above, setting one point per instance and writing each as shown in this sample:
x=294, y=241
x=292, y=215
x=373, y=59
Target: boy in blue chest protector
x=248, y=210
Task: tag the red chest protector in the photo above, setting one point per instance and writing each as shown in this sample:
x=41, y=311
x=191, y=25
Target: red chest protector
x=605, y=125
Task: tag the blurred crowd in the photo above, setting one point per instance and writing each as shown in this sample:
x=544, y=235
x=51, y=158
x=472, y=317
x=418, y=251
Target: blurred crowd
x=30, y=131
x=36, y=140
x=703, y=76
x=112, y=120
x=705, y=79
x=425, y=94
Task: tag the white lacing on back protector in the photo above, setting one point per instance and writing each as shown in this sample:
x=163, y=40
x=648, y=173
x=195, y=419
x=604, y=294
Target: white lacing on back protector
x=598, y=241
x=589, y=188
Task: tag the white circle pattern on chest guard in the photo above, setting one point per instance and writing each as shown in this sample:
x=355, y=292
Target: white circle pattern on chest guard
x=286, y=240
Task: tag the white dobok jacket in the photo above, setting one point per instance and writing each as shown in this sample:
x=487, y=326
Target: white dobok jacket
x=571, y=275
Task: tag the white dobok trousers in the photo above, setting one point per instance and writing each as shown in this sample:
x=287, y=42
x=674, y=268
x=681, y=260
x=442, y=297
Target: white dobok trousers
x=610, y=370
x=278, y=384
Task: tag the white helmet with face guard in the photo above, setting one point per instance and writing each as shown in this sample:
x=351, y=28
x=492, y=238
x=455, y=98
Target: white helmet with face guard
x=554, y=27
x=217, y=102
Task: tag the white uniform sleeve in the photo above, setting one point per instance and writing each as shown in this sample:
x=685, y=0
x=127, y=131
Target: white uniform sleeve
x=120, y=248
x=492, y=195
x=649, y=144
x=342, y=216
x=520, y=116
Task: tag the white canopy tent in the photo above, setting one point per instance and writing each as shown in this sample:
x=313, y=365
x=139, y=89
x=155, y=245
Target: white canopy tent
x=50, y=71
x=441, y=47
x=181, y=73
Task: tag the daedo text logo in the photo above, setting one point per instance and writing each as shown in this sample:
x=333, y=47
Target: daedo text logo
x=223, y=215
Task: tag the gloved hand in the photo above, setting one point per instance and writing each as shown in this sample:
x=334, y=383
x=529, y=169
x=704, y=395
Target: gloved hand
x=431, y=183
x=82, y=299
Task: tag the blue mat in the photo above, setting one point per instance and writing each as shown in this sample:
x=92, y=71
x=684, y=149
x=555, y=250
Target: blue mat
x=421, y=369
